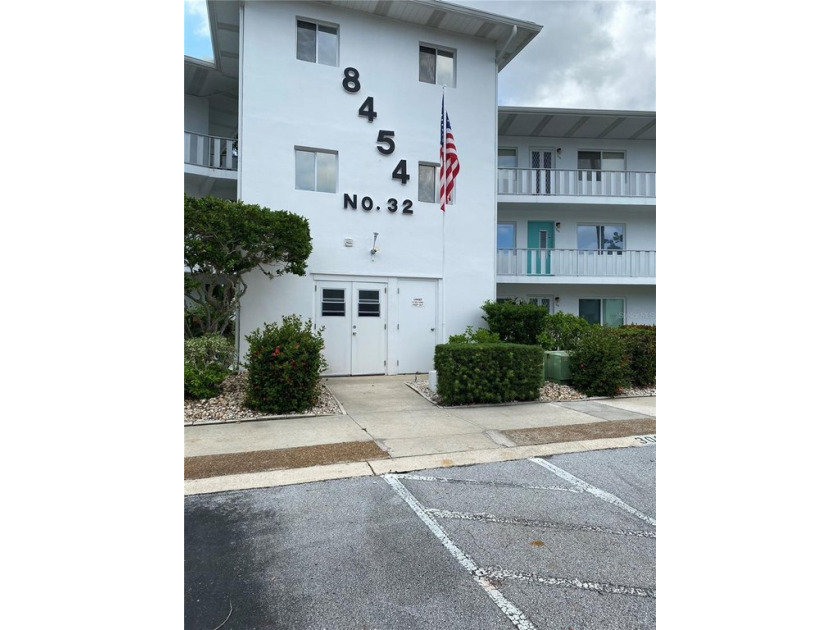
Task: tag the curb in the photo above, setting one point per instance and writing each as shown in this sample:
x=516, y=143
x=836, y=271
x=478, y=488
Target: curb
x=369, y=468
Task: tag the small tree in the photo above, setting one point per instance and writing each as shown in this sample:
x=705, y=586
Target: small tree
x=224, y=240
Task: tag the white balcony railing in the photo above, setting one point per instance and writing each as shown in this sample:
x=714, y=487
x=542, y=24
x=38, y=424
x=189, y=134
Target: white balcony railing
x=210, y=151
x=576, y=263
x=555, y=182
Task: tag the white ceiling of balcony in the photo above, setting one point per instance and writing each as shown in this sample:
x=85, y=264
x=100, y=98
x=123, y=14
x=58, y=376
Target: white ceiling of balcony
x=576, y=123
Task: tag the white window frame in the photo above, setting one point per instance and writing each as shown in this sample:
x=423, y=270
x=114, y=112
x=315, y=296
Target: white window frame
x=316, y=153
x=600, y=248
x=601, y=313
x=438, y=50
x=435, y=166
x=318, y=24
x=598, y=171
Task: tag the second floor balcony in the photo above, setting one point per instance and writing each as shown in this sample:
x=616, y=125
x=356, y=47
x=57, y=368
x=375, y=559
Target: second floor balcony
x=211, y=152
x=576, y=266
x=549, y=182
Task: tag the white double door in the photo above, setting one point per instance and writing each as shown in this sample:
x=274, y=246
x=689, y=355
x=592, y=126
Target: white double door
x=354, y=316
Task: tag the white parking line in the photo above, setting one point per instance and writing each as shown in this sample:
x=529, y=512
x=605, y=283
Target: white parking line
x=526, y=522
x=601, y=494
x=511, y=612
x=501, y=484
x=504, y=574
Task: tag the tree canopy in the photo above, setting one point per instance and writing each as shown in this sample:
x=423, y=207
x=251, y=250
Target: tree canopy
x=223, y=241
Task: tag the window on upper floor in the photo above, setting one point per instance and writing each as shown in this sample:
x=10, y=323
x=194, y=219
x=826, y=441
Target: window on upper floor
x=603, y=311
x=317, y=43
x=592, y=162
x=426, y=182
x=507, y=158
x=316, y=169
x=437, y=66
x=600, y=238
x=506, y=236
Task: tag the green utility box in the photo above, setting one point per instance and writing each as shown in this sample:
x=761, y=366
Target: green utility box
x=556, y=366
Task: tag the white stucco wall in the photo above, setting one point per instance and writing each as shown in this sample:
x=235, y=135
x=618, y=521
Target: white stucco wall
x=285, y=103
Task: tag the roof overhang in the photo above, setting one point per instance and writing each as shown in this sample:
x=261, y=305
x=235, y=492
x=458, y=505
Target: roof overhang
x=577, y=123
x=508, y=35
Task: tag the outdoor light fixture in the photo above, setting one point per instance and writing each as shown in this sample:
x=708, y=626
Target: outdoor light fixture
x=557, y=226
x=559, y=151
x=374, y=249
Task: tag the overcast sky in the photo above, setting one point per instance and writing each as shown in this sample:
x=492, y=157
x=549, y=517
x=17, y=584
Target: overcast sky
x=596, y=54
x=589, y=54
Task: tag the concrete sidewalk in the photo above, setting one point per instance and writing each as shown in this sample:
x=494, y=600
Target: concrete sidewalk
x=414, y=432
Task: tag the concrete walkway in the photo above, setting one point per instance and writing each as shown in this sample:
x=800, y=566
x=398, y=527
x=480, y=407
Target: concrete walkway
x=414, y=432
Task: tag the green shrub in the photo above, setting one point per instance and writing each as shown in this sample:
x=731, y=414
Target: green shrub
x=284, y=366
x=562, y=331
x=599, y=364
x=515, y=322
x=204, y=382
x=207, y=361
x=640, y=345
x=470, y=373
x=482, y=335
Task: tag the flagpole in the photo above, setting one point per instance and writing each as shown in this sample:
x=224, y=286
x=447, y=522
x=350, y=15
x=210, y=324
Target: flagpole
x=443, y=223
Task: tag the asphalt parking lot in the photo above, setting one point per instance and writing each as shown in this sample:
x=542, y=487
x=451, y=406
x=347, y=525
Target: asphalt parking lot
x=559, y=542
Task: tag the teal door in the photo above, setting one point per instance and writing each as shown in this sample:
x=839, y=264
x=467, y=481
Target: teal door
x=540, y=244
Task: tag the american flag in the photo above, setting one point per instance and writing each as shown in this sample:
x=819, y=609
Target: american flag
x=449, y=166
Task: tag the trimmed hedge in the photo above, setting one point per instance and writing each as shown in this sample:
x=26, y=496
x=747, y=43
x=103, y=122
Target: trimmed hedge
x=640, y=346
x=482, y=335
x=515, y=322
x=488, y=372
x=599, y=364
x=284, y=367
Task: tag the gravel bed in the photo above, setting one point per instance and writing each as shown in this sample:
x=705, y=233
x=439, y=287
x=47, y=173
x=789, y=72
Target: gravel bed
x=229, y=405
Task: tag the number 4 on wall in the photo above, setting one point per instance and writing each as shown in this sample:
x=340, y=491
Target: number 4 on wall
x=401, y=172
x=367, y=110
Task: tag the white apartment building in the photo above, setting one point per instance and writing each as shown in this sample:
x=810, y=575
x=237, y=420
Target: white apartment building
x=332, y=110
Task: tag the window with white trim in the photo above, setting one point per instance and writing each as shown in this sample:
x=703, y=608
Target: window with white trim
x=604, y=311
x=437, y=66
x=427, y=182
x=609, y=238
x=317, y=43
x=593, y=162
x=316, y=169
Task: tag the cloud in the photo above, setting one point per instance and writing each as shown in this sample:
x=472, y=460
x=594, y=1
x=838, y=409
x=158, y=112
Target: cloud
x=598, y=55
x=197, y=10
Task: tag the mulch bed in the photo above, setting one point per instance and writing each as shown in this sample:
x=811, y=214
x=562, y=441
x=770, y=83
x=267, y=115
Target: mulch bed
x=578, y=432
x=204, y=466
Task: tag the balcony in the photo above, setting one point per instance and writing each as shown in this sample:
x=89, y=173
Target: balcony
x=629, y=186
x=576, y=266
x=210, y=151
